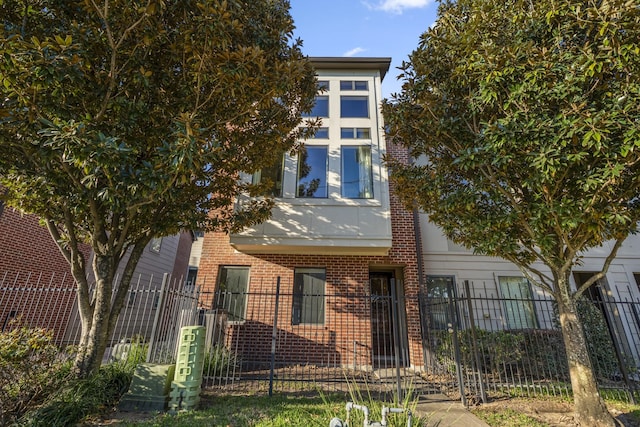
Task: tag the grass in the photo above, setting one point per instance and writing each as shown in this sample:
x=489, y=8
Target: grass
x=276, y=411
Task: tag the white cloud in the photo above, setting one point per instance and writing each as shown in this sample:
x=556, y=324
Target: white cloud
x=353, y=52
x=398, y=6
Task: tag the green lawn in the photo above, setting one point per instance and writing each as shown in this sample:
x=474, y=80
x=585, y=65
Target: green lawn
x=264, y=411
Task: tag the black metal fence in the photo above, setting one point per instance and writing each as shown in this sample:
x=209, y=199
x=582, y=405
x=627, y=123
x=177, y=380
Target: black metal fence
x=466, y=341
x=498, y=346
x=472, y=344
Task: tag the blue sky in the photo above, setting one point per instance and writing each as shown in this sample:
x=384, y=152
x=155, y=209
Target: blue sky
x=379, y=28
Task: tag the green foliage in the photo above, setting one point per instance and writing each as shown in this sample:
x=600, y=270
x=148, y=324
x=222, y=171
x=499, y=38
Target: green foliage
x=81, y=398
x=528, y=115
x=130, y=352
x=219, y=361
x=131, y=119
x=31, y=369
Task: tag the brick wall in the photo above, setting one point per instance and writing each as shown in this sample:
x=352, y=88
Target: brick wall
x=344, y=275
x=31, y=262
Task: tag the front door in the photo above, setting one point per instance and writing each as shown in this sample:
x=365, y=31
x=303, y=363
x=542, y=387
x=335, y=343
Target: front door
x=383, y=295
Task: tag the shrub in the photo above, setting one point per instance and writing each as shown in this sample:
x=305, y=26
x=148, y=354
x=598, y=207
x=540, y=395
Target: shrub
x=31, y=369
x=81, y=398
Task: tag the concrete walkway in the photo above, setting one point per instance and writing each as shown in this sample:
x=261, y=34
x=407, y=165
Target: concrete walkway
x=443, y=412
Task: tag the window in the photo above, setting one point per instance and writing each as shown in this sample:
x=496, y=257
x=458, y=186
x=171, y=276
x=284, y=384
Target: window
x=155, y=244
x=518, y=303
x=308, y=296
x=233, y=284
x=312, y=172
x=321, y=108
x=355, y=133
x=357, y=182
x=271, y=176
x=354, y=106
x=353, y=85
x=440, y=291
x=321, y=133
x=323, y=85
x=192, y=275
x=637, y=277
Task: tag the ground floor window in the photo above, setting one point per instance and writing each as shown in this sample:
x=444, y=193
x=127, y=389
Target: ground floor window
x=518, y=303
x=233, y=284
x=439, y=294
x=308, y=296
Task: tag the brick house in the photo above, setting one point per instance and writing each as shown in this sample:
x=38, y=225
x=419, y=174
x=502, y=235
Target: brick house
x=341, y=246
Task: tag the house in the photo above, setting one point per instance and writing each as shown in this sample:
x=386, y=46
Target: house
x=334, y=272
x=510, y=302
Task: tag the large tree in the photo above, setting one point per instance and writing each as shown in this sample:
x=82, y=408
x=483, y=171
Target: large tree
x=123, y=120
x=526, y=118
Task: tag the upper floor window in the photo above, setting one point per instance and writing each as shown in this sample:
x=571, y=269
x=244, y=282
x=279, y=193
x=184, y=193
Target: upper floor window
x=354, y=106
x=323, y=85
x=312, y=172
x=321, y=107
x=353, y=85
x=357, y=181
x=155, y=244
x=272, y=177
x=355, y=133
x=321, y=133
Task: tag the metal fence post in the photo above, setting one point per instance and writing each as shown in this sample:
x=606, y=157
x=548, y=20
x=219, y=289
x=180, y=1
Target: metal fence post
x=474, y=340
x=453, y=329
x=396, y=339
x=274, y=337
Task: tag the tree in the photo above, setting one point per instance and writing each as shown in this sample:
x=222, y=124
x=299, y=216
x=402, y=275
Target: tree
x=124, y=120
x=526, y=115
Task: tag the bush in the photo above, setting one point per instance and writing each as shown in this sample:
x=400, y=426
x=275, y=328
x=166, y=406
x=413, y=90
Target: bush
x=31, y=369
x=81, y=398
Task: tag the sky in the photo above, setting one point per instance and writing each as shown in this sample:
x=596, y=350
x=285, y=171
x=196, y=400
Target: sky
x=363, y=28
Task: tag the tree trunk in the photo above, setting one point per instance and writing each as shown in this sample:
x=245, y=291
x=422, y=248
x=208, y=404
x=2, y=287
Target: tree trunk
x=95, y=322
x=589, y=407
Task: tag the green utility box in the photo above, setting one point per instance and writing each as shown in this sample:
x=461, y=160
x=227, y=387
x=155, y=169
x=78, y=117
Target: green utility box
x=185, y=387
x=149, y=389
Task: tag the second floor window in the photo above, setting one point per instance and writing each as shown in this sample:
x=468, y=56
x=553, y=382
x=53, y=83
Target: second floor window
x=357, y=180
x=312, y=172
x=272, y=177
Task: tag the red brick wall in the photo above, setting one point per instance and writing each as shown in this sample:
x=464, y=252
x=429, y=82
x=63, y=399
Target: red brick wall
x=344, y=274
x=31, y=262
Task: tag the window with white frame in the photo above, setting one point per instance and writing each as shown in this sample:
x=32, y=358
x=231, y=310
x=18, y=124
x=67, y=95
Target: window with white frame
x=155, y=244
x=354, y=106
x=271, y=176
x=354, y=85
x=233, y=285
x=308, y=296
x=321, y=107
x=355, y=133
x=518, y=303
x=356, y=174
x=312, y=171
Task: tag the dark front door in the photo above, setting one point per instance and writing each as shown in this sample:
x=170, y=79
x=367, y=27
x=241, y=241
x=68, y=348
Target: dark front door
x=382, y=327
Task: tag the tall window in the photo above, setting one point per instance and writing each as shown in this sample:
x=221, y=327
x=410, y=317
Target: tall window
x=272, y=177
x=357, y=182
x=354, y=106
x=233, y=283
x=308, y=296
x=321, y=107
x=312, y=172
x=439, y=294
x=518, y=303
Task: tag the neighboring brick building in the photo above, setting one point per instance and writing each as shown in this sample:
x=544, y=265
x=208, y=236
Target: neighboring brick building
x=29, y=262
x=340, y=243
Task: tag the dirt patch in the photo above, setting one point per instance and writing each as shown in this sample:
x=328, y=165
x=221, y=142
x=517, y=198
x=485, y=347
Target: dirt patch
x=553, y=413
